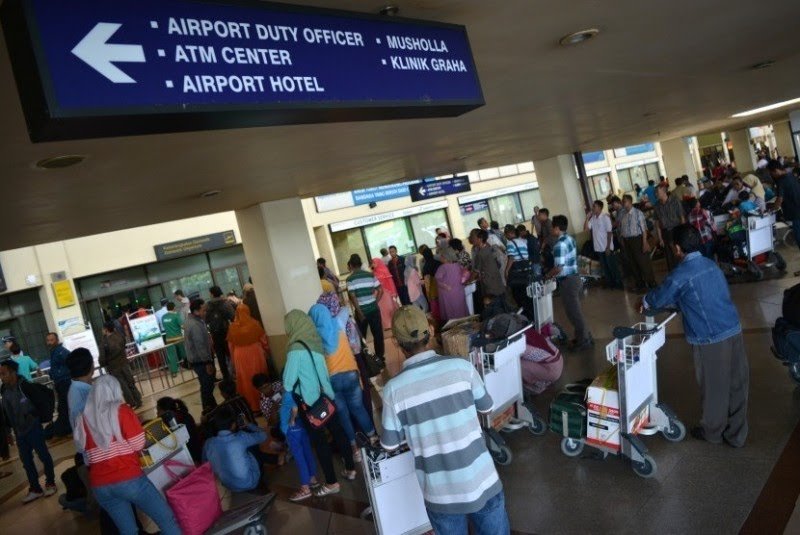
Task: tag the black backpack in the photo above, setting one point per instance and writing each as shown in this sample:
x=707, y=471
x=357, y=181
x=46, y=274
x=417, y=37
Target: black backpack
x=791, y=305
x=215, y=317
x=42, y=398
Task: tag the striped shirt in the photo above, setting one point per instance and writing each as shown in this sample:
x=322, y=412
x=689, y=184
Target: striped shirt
x=565, y=254
x=433, y=405
x=363, y=285
x=518, y=249
x=632, y=223
x=120, y=462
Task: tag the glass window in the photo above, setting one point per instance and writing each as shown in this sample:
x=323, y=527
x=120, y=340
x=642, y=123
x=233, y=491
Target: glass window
x=506, y=209
x=22, y=303
x=471, y=213
x=228, y=279
x=653, y=171
x=424, y=226
x=639, y=174
x=600, y=185
x=113, y=282
x=193, y=286
x=229, y=256
x=530, y=199
x=395, y=232
x=345, y=243
x=174, y=269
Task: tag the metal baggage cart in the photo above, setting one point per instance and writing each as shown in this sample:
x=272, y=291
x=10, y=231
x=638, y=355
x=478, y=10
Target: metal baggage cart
x=633, y=352
x=396, y=503
x=760, y=232
x=541, y=292
x=498, y=364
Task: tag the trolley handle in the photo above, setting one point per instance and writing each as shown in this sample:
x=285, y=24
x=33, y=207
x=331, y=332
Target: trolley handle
x=620, y=333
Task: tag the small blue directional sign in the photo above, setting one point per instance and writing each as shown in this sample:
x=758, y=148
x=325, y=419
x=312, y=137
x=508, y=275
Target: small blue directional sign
x=171, y=65
x=429, y=189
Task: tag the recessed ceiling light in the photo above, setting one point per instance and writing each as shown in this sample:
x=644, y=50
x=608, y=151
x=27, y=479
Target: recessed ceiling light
x=578, y=37
x=460, y=158
x=762, y=109
x=210, y=193
x=58, y=162
x=389, y=10
x=762, y=65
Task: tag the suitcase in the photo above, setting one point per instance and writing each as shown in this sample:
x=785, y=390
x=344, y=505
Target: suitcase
x=247, y=519
x=786, y=341
x=568, y=411
x=791, y=305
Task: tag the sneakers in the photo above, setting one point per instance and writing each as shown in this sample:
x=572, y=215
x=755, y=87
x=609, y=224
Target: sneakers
x=49, y=490
x=32, y=495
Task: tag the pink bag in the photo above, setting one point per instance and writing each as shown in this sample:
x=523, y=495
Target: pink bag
x=194, y=499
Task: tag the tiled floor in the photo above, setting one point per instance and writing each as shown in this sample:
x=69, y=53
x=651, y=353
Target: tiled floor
x=699, y=488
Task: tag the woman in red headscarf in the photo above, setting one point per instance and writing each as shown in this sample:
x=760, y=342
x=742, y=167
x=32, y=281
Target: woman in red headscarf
x=388, y=301
x=248, y=347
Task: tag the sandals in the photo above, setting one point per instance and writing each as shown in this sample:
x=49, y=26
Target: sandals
x=349, y=475
x=325, y=490
x=301, y=495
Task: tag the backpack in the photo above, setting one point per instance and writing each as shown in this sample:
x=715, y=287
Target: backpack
x=215, y=317
x=42, y=398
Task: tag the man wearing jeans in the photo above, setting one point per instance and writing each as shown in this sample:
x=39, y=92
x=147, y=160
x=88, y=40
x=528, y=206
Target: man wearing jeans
x=59, y=373
x=364, y=291
x=23, y=403
x=565, y=270
x=711, y=324
x=601, y=228
x=433, y=405
x=198, y=352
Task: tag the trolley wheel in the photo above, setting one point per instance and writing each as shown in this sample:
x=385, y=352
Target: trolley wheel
x=794, y=372
x=538, y=427
x=754, y=271
x=647, y=468
x=789, y=239
x=676, y=431
x=502, y=455
x=571, y=447
x=780, y=263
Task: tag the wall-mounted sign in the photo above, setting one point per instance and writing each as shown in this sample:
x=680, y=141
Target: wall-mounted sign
x=65, y=297
x=145, y=331
x=633, y=150
x=86, y=68
x=387, y=216
x=430, y=189
x=467, y=199
x=348, y=199
x=473, y=207
x=594, y=157
x=200, y=244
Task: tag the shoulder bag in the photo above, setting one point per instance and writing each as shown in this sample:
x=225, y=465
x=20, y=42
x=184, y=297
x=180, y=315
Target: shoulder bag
x=372, y=363
x=521, y=270
x=317, y=414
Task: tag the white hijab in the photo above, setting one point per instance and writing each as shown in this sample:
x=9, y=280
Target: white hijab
x=101, y=414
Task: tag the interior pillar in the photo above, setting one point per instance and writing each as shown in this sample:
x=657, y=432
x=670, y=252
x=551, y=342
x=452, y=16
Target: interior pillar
x=783, y=138
x=61, y=317
x=561, y=190
x=278, y=246
x=678, y=159
x=743, y=152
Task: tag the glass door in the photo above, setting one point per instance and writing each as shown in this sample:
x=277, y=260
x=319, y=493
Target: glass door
x=228, y=279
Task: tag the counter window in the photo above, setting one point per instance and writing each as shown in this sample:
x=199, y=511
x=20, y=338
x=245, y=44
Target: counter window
x=424, y=226
x=346, y=243
x=396, y=232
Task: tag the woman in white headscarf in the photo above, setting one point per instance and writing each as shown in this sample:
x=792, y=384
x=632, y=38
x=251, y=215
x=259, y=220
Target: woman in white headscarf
x=111, y=437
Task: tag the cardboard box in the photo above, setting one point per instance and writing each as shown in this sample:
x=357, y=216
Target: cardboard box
x=603, y=412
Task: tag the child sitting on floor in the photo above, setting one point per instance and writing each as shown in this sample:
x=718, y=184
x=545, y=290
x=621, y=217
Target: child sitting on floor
x=300, y=447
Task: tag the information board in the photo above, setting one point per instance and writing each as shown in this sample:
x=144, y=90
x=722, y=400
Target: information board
x=190, y=246
x=430, y=189
x=172, y=65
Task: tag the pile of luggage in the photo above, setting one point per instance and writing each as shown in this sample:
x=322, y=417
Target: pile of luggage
x=786, y=333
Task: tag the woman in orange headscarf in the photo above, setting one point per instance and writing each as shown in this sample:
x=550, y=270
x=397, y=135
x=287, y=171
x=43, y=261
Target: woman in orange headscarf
x=248, y=346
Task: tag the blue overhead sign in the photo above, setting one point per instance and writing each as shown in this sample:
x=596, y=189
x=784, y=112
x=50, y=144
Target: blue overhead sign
x=429, y=189
x=381, y=193
x=227, y=64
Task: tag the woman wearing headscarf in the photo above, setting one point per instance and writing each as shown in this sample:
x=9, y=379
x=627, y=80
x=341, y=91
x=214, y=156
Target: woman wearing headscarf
x=248, y=347
x=429, y=267
x=388, y=301
x=111, y=437
x=414, y=284
x=306, y=375
x=347, y=323
x=452, y=299
x=344, y=376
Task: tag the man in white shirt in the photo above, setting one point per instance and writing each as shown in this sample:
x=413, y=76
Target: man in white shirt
x=599, y=224
x=161, y=311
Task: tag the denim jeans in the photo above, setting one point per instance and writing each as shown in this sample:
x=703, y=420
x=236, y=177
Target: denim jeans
x=32, y=441
x=610, y=269
x=116, y=499
x=300, y=446
x=206, y=386
x=796, y=228
x=350, y=404
x=491, y=520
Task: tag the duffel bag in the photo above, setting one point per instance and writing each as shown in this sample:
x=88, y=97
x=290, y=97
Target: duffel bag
x=786, y=341
x=791, y=305
x=568, y=414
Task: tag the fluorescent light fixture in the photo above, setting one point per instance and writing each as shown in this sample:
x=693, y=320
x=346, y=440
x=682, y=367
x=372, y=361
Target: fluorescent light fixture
x=762, y=109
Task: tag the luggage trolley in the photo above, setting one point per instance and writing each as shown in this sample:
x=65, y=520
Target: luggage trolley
x=757, y=254
x=541, y=292
x=501, y=372
x=634, y=353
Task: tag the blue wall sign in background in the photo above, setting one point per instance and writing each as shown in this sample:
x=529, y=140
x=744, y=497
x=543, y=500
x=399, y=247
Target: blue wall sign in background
x=633, y=150
x=430, y=189
x=381, y=193
x=144, y=58
x=594, y=157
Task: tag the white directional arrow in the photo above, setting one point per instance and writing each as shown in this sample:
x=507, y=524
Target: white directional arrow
x=95, y=50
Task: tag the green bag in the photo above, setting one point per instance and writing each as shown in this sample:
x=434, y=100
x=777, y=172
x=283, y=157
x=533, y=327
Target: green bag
x=568, y=412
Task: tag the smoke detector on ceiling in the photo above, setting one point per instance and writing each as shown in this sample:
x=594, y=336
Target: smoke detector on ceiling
x=578, y=37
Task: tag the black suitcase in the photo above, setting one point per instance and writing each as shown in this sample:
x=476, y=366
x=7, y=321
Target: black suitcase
x=786, y=341
x=791, y=305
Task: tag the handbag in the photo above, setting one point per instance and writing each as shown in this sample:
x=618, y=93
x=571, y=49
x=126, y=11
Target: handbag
x=194, y=498
x=317, y=414
x=521, y=270
x=373, y=363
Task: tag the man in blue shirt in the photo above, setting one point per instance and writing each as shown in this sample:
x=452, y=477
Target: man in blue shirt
x=787, y=190
x=231, y=452
x=650, y=191
x=59, y=373
x=711, y=325
x=565, y=271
